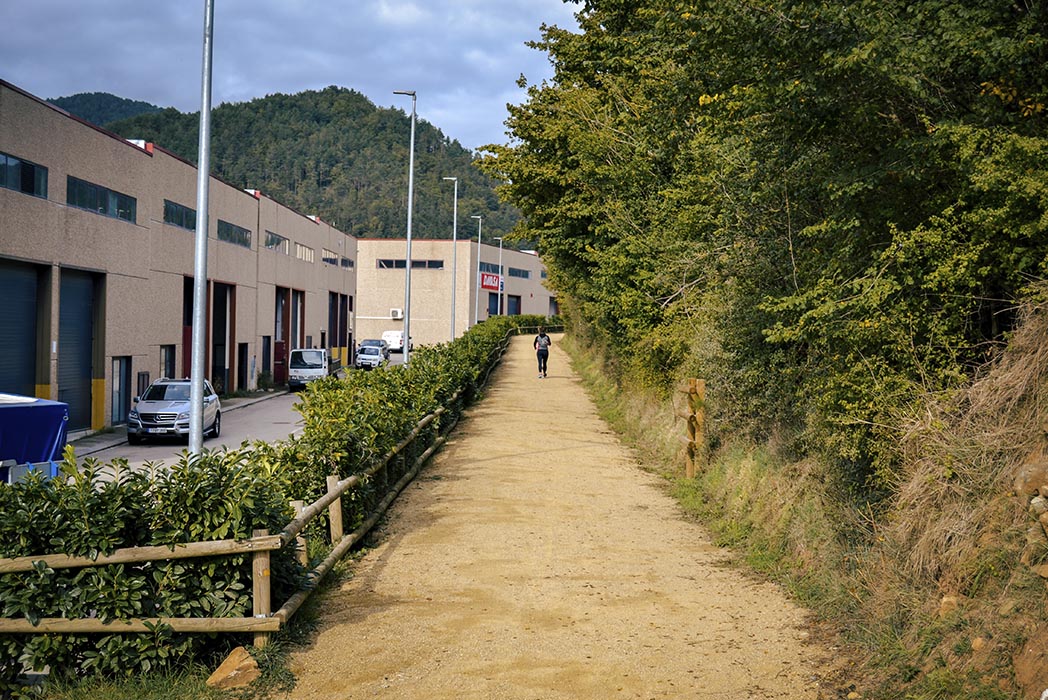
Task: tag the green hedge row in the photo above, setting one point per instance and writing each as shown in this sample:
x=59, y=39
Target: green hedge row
x=95, y=509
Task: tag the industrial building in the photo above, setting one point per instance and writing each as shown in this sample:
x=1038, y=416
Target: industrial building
x=444, y=275
x=97, y=238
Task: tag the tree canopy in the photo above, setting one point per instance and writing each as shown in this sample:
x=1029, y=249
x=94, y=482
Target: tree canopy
x=825, y=209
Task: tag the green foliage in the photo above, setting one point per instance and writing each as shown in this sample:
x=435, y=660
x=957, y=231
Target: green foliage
x=101, y=108
x=335, y=154
x=824, y=209
x=94, y=510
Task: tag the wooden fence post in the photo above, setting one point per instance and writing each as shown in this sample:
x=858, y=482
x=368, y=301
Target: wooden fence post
x=301, y=545
x=335, y=510
x=696, y=425
x=261, y=592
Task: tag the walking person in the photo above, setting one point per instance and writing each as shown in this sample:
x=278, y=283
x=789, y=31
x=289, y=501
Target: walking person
x=542, y=343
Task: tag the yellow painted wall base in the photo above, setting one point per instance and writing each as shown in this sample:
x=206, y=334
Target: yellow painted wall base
x=98, y=404
x=43, y=391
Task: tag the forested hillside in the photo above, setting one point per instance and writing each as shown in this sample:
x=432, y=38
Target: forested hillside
x=101, y=108
x=831, y=212
x=335, y=154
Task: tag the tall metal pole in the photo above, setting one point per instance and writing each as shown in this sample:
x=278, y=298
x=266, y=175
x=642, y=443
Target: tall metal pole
x=197, y=365
x=454, y=250
x=411, y=201
x=501, y=283
x=476, y=303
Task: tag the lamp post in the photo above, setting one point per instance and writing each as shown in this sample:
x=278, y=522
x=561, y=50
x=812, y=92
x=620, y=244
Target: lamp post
x=454, y=251
x=501, y=283
x=411, y=199
x=476, y=304
x=197, y=365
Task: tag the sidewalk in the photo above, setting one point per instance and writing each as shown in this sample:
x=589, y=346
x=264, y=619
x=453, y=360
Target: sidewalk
x=96, y=442
x=533, y=558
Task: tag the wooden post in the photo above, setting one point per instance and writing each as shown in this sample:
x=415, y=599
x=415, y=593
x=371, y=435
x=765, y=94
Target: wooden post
x=261, y=593
x=335, y=511
x=696, y=425
x=301, y=545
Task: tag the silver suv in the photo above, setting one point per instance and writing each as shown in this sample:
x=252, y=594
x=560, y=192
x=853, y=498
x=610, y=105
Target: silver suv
x=164, y=410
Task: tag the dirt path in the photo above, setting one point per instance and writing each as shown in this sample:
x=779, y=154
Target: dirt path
x=533, y=559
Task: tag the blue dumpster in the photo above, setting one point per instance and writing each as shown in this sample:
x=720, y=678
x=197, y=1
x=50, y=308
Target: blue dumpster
x=32, y=434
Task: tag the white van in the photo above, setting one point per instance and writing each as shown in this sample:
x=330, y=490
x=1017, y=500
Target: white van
x=307, y=364
x=396, y=341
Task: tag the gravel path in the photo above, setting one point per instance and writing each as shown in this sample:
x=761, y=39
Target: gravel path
x=533, y=558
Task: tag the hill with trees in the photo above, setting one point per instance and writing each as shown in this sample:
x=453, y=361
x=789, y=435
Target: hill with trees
x=335, y=154
x=831, y=212
x=101, y=108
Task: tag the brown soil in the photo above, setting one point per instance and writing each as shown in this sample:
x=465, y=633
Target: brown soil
x=533, y=558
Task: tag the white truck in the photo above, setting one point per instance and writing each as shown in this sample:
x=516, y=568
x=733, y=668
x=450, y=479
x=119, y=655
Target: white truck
x=307, y=364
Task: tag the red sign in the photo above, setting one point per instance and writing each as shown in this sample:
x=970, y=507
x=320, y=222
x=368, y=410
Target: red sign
x=489, y=280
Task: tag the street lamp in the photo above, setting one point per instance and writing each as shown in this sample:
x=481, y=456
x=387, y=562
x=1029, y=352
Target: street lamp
x=411, y=199
x=454, y=251
x=198, y=339
x=476, y=304
x=501, y=283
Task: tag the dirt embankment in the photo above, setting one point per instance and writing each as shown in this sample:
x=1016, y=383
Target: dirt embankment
x=533, y=558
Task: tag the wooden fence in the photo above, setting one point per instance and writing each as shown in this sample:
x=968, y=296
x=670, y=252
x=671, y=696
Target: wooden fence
x=264, y=621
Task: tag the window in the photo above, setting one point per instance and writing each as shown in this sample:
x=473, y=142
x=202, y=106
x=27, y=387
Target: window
x=23, y=176
x=167, y=361
x=178, y=215
x=490, y=267
x=517, y=272
x=231, y=233
x=330, y=257
x=346, y=262
x=390, y=264
x=304, y=252
x=276, y=242
x=543, y=274
x=85, y=195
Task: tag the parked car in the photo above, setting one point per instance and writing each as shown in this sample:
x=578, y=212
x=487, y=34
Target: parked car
x=163, y=410
x=396, y=341
x=376, y=342
x=370, y=357
x=307, y=364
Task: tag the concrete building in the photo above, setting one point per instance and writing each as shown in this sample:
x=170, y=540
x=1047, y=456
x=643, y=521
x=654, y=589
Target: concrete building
x=381, y=272
x=97, y=262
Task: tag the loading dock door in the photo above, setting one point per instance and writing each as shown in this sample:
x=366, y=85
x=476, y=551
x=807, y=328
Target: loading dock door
x=75, y=332
x=18, y=329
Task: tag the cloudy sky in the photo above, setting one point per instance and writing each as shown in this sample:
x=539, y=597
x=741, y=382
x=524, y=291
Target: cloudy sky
x=462, y=57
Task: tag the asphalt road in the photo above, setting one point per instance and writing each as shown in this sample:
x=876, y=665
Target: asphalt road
x=270, y=420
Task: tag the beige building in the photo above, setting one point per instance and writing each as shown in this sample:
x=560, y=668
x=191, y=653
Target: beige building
x=97, y=241
x=435, y=264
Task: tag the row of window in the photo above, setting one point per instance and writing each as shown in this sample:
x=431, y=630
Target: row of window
x=101, y=200
x=23, y=176
x=231, y=233
x=401, y=263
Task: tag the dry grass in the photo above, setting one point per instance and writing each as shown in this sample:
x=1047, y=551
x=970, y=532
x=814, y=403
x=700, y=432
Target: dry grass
x=960, y=462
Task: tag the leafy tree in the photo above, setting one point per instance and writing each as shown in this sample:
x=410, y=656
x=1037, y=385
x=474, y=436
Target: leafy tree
x=826, y=209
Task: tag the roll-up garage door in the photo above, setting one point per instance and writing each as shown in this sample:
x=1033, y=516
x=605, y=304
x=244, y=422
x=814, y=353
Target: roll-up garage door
x=18, y=329
x=74, y=346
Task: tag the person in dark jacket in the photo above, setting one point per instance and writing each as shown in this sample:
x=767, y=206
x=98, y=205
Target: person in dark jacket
x=542, y=343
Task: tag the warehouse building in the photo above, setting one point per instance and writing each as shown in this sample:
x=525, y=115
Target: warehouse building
x=437, y=268
x=97, y=240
